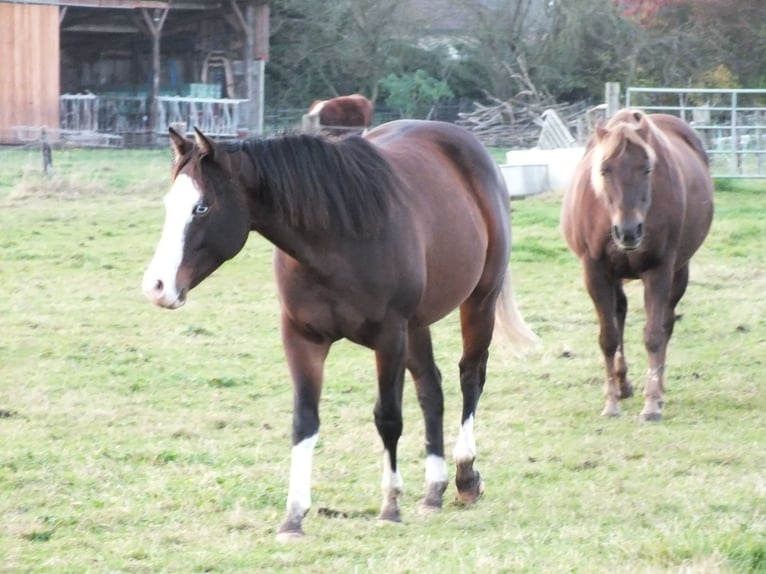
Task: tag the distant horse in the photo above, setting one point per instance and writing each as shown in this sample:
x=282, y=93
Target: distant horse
x=342, y=115
x=376, y=238
x=639, y=206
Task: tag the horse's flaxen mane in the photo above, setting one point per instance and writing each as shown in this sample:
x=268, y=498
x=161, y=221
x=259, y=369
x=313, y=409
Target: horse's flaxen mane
x=316, y=183
x=618, y=134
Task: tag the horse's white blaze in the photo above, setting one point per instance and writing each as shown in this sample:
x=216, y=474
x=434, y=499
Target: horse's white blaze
x=179, y=203
x=299, y=491
x=391, y=482
x=436, y=469
x=465, y=447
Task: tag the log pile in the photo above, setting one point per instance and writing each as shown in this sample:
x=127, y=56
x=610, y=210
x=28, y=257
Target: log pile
x=516, y=123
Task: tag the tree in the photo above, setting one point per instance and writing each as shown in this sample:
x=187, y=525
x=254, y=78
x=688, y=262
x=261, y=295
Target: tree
x=411, y=93
x=334, y=48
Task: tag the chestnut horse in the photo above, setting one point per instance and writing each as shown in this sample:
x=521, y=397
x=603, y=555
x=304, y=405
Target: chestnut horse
x=343, y=114
x=639, y=206
x=376, y=238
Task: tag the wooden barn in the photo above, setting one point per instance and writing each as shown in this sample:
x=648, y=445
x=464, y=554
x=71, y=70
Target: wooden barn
x=105, y=72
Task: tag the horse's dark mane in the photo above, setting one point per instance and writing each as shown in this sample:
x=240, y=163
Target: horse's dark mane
x=318, y=183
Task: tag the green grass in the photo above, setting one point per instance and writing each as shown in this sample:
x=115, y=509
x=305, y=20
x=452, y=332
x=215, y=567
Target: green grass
x=134, y=439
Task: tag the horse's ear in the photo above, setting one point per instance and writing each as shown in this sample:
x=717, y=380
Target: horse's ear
x=179, y=144
x=644, y=127
x=205, y=145
x=600, y=133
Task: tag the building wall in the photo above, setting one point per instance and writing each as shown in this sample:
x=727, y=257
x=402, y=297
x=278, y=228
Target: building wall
x=29, y=75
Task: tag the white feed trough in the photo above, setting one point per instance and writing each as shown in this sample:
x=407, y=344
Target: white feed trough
x=547, y=167
x=532, y=171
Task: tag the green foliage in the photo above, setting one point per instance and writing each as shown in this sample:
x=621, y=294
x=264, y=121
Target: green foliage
x=412, y=93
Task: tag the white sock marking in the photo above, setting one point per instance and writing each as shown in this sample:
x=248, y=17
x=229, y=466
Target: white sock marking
x=436, y=469
x=390, y=480
x=299, y=492
x=465, y=447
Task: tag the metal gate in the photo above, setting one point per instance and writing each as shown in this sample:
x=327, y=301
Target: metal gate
x=732, y=123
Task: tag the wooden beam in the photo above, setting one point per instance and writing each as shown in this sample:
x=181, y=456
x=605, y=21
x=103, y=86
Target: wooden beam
x=155, y=29
x=119, y=4
x=127, y=4
x=102, y=28
x=240, y=18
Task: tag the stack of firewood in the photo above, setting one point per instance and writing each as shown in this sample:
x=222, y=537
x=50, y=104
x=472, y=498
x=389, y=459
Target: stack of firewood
x=516, y=123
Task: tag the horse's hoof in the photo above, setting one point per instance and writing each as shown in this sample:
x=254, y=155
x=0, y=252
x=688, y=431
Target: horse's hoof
x=390, y=515
x=289, y=535
x=650, y=417
x=626, y=391
x=428, y=509
x=469, y=495
x=610, y=411
x=434, y=496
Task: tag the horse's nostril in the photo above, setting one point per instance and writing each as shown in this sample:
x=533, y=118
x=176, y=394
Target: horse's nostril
x=159, y=286
x=639, y=230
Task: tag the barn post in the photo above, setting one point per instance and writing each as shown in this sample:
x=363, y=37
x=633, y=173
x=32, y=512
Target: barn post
x=154, y=24
x=255, y=25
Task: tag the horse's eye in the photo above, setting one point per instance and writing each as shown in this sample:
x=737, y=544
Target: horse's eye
x=200, y=209
x=647, y=170
x=606, y=170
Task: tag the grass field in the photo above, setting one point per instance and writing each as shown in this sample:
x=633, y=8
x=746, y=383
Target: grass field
x=134, y=439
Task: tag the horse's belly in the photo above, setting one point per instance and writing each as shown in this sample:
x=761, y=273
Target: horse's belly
x=452, y=274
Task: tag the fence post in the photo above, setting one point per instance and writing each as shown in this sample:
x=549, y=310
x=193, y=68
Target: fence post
x=45, y=146
x=611, y=98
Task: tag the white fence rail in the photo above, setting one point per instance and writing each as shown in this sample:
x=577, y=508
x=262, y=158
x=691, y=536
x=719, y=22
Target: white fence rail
x=732, y=123
x=122, y=114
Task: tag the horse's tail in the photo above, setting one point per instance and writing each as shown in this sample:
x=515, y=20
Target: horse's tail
x=508, y=320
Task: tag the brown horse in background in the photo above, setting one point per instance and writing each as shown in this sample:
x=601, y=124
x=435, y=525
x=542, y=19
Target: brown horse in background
x=343, y=114
x=639, y=206
x=376, y=238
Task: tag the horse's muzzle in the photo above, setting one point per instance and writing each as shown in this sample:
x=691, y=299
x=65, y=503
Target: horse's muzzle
x=156, y=292
x=628, y=237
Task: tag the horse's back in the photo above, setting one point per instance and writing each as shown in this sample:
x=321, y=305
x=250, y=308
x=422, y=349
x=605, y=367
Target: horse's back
x=445, y=164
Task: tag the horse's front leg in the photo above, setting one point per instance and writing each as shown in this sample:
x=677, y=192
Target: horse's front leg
x=390, y=359
x=620, y=363
x=305, y=359
x=604, y=294
x=662, y=291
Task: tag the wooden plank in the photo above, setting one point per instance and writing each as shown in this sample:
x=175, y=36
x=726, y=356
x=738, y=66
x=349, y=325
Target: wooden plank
x=29, y=85
x=126, y=4
x=118, y=4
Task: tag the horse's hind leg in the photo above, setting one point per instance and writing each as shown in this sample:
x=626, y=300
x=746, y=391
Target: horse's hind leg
x=428, y=386
x=477, y=320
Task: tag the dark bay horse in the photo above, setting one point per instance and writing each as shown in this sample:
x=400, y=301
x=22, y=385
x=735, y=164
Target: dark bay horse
x=639, y=206
x=376, y=238
x=343, y=114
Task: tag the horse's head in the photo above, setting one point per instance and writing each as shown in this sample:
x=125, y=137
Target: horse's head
x=621, y=174
x=206, y=221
